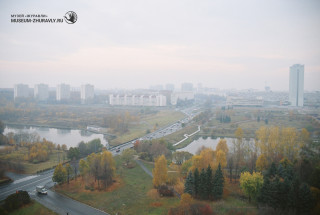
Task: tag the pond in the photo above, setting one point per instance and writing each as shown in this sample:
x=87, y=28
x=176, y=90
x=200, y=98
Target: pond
x=70, y=137
x=194, y=146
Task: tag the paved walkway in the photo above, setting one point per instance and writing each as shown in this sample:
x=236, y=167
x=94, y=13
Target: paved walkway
x=150, y=173
x=186, y=136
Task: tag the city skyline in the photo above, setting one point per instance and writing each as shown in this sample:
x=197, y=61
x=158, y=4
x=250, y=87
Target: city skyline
x=130, y=45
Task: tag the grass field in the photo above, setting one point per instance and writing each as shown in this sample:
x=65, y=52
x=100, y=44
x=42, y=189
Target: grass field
x=33, y=208
x=148, y=122
x=127, y=196
x=246, y=118
x=30, y=168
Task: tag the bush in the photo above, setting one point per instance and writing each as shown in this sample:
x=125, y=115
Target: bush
x=197, y=208
x=164, y=190
x=16, y=200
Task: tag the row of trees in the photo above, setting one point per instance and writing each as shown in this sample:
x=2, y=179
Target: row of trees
x=97, y=167
x=100, y=166
x=206, y=157
x=205, y=185
x=150, y=150
x=276, y=143
x=279, y=188
x=83, y=149
x=120, y=122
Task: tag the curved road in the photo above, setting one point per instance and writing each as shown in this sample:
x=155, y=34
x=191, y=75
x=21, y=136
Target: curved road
x=57, y=202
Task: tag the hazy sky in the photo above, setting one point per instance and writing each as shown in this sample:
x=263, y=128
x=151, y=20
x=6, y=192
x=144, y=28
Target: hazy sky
x=135, y=44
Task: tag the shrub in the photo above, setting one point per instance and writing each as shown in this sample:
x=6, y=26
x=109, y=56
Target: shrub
x=197, y=208
x=16, y=200
x=164, y=190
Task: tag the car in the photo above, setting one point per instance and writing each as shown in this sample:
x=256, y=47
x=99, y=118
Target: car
x=41, y=190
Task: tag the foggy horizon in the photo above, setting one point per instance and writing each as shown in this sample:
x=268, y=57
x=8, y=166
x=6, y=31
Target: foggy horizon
x=133, y=45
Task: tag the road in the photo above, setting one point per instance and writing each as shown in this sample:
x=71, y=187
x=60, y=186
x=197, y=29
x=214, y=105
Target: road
x=62, y=204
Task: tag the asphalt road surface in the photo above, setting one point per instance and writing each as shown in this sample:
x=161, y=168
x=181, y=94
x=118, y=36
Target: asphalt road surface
x=62, y=204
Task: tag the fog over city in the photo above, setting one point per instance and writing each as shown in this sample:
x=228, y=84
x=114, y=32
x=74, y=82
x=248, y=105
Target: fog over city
x=136, y=44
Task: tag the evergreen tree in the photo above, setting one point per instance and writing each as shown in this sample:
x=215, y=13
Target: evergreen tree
x=305, y=199
x=283, y=196
x=196, y=179
x=209, y=182
x=264, y=195
x=189, y=184
x=202, y=185
x=272, y=170
x=274, y=193
x=218, y=182
x=294, y=195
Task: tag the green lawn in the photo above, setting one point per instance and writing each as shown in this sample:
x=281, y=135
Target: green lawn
x=30, y=168
x=130, y=197
x=33, y=208
x=148, y=122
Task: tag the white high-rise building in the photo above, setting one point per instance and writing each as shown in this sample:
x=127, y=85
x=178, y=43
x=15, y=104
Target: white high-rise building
x=87, y=92
x=296, y=85
x=41, y=92
x=63, y=92
x=21, y=91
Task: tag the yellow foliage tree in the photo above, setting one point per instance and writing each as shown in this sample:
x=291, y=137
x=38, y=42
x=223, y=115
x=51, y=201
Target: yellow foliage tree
x=221, y=158
x=251, y=183
x=160, y=171
x=186, y=199
x=222, y=145
x=262, y=163
x=206, y=157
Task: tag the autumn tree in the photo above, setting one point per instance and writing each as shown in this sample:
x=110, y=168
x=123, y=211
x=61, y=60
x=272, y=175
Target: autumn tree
x=64, y=147
x=230, y=167
x=251, y=184
x=94, y=165
x=83, y=167
x=69, y=171
x=238, y=149
x=127, y=156
x=59, y=174
x=180, y=156
x=107, y=167
x=221, y=158
x=262, y=163
x=160, y=171
x=186, y=199
x=222, y=145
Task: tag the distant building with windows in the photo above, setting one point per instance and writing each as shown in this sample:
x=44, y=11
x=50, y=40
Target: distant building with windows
x=41, y=92
x=175, y=96
x=21, y=91
x=63, y=92
x=87, y=92
x=244, y=102
x=187, y=87
x=296, y=85
x=138, y=100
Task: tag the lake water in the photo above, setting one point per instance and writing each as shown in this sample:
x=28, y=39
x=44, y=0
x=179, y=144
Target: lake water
x=70, y=137
x=208, y=142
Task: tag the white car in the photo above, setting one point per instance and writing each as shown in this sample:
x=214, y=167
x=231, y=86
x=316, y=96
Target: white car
x=41, y=190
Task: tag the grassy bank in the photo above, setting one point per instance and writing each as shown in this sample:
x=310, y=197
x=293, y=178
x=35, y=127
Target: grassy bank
x=33, y=208
x=128, y=195
x=148, y=122
x=17, y=158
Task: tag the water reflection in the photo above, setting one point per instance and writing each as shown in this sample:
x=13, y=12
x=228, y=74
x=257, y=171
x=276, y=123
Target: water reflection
x=210, y=143
x=70, y=137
